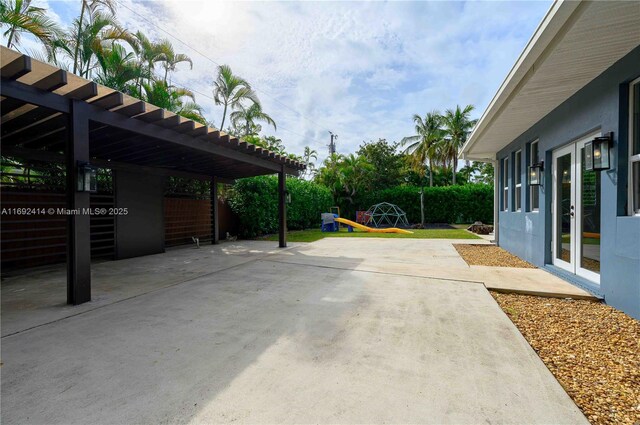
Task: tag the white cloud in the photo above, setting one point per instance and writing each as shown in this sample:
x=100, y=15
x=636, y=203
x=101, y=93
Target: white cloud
x=386, y=78
x=360, y=70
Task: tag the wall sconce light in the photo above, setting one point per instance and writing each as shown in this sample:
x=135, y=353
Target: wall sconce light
x=535, y=174
x=597, y=153
x=87, y=177
x=287, y=197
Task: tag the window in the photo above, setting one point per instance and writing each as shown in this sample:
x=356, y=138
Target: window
x=505, y=184
x=634, y=147
x=534, y=192
x=518, y=179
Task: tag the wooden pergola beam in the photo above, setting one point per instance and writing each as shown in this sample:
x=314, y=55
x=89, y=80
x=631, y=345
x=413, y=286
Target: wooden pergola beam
x=109, y=101
x=53, y=81
x=16, y=68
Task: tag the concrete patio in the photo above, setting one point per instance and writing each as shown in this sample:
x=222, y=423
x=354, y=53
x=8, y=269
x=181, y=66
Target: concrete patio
x=340, y=330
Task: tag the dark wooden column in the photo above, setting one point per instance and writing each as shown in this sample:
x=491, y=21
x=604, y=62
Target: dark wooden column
x=78, y=224
x=282, y=207
x=215, y=229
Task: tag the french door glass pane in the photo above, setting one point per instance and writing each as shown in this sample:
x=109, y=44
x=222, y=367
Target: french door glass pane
x=590, y=232
x=535, y=195
x=635, y=176
x=635, y=149
x=635, y=146
x=563, y=209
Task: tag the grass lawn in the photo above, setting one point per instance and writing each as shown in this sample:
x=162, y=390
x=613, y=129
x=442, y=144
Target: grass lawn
x=312, y=235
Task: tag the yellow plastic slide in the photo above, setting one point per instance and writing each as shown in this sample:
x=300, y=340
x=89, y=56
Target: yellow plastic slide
x=370, y=229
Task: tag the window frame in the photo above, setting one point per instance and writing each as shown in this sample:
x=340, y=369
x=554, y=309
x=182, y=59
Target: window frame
x=633, y=159
x=517, y=180
x=505, y=184
x=533, y=161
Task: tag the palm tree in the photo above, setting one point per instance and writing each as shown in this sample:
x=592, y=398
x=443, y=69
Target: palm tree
x=175, y=99
x=248, y=117
x=118, y=69
x=309, y=154
x=162, y=95
x=20, y=17
x=457, y=126
x=192, y=111
x=426, y=144
x=170, y=58
x=308, y=158
x=294, y=157
x=354, y=175
x=93, y=6
x=149, y=53
x=231, y=90
x=274, y=144
x=329, y=174
x=469, y=170
x=98, y=34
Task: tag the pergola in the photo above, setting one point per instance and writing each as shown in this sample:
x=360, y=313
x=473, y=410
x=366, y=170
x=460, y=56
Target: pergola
x=49, y=114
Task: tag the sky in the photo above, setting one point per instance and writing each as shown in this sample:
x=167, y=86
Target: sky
x=358, y=69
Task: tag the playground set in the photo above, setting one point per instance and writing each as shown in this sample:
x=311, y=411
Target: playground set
x=378, y=215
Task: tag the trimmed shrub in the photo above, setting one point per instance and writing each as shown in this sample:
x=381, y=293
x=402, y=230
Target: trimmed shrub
x=255, y=201
x=442, y=204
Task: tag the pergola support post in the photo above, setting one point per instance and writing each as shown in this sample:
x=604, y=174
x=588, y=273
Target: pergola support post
x=215, y=230
x=78, y=203
x=282, y=208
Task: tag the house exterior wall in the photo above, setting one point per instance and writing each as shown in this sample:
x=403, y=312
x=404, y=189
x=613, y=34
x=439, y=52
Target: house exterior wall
x=602, y=105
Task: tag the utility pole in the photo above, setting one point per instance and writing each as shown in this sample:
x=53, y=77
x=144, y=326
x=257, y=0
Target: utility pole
x=332, y=144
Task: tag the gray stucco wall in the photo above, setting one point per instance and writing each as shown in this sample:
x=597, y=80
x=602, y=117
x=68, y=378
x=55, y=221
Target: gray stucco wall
x=601, y=105
x=141, y=231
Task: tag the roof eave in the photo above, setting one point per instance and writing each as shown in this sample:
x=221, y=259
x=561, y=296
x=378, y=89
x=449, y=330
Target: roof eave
x=555, y=18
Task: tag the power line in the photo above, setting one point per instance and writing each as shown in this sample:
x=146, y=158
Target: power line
x=211, y=60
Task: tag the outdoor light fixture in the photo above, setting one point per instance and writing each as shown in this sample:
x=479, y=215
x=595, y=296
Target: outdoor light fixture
x=597, y=153
x=287, y=197
x=535, y=174
x=87, y=177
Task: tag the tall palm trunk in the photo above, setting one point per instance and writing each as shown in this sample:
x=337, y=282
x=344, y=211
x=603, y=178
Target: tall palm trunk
x=454, y=167
x=422, y=204
x=13, y=30
x=76, y=50
x=224, y=115
x=430, y=172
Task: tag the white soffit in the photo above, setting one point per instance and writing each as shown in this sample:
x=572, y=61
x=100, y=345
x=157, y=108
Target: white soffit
x=575, y=43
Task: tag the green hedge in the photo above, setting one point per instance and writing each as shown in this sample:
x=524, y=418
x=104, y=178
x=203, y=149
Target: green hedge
x=255, y=201
x=442, y=204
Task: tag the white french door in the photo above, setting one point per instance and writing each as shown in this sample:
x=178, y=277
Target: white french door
x=576, y=212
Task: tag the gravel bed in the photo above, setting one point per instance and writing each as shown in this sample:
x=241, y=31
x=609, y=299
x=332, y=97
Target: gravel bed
x=490, y=255
x=592, y=349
